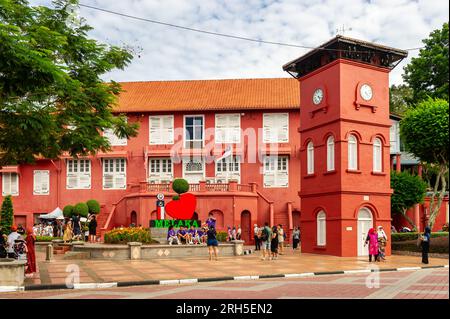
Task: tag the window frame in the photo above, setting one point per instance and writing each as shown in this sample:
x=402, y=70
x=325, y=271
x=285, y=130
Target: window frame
x=331, y=157
x=275, y=171
x=227, y=129
x=310, y=158
x=117, y=161
x=352, y=140
x=185, y=131
x=235, y=160
x=78, y=172
x=377, y=143
x=39, y=171
x=151, y=178
x=321, y=229
x=10, y=184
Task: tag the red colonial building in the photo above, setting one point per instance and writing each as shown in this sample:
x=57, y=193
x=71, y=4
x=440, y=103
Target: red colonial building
x=310, y=151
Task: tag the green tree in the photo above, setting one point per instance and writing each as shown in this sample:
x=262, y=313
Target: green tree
x=52, y=97
x=68, y=211
x=400, y=97
x=82, y=209
x=180, y=186
x=7, y=215
x=94, y=206
x=424, y=131
x=428, y=74
x=408, y=191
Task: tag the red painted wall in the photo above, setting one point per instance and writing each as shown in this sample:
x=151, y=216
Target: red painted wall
x=340, y=194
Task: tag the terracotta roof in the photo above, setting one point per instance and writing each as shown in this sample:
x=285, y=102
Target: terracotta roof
x=236, y=94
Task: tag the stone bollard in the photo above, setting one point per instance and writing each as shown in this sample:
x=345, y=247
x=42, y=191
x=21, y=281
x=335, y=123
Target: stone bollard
x=135, y=250
x=238, y=247
x=49, y=253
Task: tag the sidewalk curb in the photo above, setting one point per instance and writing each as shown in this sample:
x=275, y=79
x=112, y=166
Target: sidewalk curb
x=102, y=285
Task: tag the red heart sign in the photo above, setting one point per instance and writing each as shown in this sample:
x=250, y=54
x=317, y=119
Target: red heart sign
x=183, y=208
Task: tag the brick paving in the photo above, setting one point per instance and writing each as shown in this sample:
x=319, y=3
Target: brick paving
x=418, y=284
x=97, y=271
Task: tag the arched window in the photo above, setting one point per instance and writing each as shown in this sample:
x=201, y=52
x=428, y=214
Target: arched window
x=377, y=155
x=330, y=153
x=352, y=153
x=310, y=158
x=321, y=229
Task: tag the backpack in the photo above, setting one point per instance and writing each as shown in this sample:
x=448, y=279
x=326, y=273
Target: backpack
x=264, y=234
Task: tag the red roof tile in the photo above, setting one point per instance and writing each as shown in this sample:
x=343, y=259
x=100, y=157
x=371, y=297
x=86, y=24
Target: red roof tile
x=236, y=94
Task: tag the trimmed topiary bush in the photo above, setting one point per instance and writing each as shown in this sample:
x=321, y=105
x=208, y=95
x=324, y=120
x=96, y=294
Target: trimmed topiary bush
x=180, y=185
x=6, y=216
x=68, y=211
x=82, y=209
x=93, y=206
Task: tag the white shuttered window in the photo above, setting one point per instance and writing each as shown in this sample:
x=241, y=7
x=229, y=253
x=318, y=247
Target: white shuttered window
x=10, y=184
x=228, y=168
x=276, y=127
x=113, y=139
x=161, y=129
x=330, y=153
x=321, y=229
x=276, y=171
x=114, y=173
x=41, y=182
x=78, y=174
x=310, y=158
x=377, y=155
x=352, y=153
x=228, y=128
x=160, y=170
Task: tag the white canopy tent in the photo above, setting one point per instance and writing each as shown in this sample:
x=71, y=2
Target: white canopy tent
x=57, y=213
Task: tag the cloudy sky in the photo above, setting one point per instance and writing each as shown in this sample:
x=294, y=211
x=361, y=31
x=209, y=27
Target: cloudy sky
x=172, y=54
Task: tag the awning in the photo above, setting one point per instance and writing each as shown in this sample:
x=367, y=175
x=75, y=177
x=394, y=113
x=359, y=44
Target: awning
x=57, y=213
x=10, y=169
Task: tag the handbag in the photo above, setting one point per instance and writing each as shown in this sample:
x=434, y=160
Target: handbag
x=419, y=240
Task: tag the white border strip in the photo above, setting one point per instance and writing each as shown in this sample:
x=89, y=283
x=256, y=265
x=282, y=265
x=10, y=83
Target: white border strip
x=11, y=288
x=246, y=277
x=408, y=268
x=95, y=285
x=188, y=281
x=169, y=282
x=360, y=271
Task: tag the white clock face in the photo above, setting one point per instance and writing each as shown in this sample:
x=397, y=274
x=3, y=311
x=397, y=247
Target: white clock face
x=366, y=92
x=317, y=96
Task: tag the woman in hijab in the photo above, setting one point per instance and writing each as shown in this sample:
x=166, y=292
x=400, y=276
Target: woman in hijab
x=372, y=240
x=426, y=244
x=382, y=239
x=31, y=255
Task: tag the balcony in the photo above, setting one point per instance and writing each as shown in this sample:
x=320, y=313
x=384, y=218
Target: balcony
x=200, y=188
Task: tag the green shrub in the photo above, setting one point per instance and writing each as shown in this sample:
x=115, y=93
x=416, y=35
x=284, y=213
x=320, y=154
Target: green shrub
x=413, y=235
x=445, y=227
x=180, y=185
x=82, y=209
x=46, y=238
x=68, y=211
x=438, y=245
x=222, y=236
x=6, y=216
x=93, y=206
x=126, y=235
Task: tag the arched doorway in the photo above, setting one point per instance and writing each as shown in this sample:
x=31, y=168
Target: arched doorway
x=154, y=215
x=133, y=218
x=246, y=226
x=218, y=215
x=365, y=222
x=295, y=218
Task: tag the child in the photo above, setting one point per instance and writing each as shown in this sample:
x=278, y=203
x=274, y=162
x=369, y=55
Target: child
x=191, y=235
x=182, y=235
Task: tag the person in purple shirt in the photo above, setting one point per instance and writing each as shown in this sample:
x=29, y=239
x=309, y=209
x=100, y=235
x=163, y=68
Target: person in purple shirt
x=172, y=236
x=182, y=235
x=191, y=234
x=211, y=221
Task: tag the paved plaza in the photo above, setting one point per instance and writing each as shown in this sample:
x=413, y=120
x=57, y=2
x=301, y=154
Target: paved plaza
x=103, y=271
x=418, y=284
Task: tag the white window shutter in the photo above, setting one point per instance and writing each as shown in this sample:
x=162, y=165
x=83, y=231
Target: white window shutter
x=221, y=123
x=120, y=181
x=108, y=180
x=167, y=129
x=267, y=125
x=41, y=182
x=113, y=139
x=269, y=179
x=72, y=181
x=6, y=184
x=282, y=179
x=282, y=128
x=85, y=180
x=14, y=184
x=155, y=130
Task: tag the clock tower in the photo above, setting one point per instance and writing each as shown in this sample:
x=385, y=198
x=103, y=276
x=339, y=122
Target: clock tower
x=344, y=131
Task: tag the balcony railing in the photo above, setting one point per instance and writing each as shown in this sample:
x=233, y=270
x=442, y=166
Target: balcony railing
x=202, y=186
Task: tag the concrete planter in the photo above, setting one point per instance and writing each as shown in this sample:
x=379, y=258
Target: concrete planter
x=12, y=272
x=136, y=251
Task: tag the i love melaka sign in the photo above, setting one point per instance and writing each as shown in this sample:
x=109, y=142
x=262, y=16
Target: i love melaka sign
x=166, y=223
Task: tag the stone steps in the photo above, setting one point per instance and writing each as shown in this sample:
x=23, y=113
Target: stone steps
x=76, y=255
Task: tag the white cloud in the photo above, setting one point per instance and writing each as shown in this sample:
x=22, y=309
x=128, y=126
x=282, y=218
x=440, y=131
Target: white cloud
x=170, y=53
